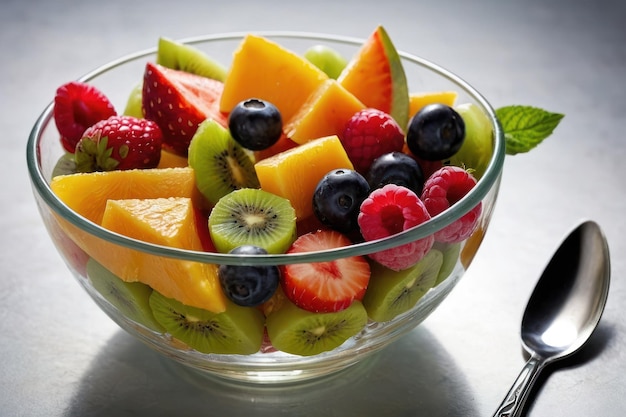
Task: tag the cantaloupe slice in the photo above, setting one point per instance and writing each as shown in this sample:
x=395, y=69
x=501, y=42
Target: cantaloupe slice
x=325, y=113
x=419, y=100
x=87, y=193
x=375, y=75
x=294, y=173
x=264, y=69
x=192, y=283
x=162, y=221
x=152, y=218
x=168, y=222
x=172, y=160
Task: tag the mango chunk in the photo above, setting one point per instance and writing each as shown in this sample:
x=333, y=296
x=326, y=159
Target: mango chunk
x=264, y=69
x=294, y=173
x=324, y=114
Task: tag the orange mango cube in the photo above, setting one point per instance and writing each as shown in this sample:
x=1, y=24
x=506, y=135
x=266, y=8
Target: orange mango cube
x=294, y=173
x=324, y=114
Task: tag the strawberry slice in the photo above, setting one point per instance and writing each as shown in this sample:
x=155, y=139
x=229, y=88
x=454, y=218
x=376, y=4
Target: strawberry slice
x=324, y=286
x=178, y=102
x=77, y=106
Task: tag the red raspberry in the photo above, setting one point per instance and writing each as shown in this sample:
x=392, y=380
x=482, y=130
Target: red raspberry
x=119, y=143
x=78, y=106
x=369, y=134
x=390, y=210
x=441, y=190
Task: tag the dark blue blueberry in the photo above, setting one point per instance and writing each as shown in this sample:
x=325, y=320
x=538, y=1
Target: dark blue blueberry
x=337, y=199
x=248, y=285
x=256, y=124
x=435, y=133
x=396, y=168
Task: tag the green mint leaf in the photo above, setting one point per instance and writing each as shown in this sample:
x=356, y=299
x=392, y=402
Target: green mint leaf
x=526, y=127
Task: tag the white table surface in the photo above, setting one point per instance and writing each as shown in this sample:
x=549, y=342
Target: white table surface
x=61, y=356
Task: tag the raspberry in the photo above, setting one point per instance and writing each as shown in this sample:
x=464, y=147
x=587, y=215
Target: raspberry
x=442, y=189
x=369, y=134
x=78, y=106
x=390, y=210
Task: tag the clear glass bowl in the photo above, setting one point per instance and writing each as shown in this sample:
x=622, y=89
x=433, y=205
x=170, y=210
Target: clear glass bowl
x=117, y=78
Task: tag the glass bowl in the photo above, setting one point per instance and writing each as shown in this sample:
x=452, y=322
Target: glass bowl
x=117, y=78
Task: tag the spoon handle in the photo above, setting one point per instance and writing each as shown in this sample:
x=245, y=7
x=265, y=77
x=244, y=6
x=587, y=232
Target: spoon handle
x=513, y=403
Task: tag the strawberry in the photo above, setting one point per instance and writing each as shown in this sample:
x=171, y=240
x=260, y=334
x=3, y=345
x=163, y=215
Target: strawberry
x=119, y=142
x=178, y=102
x=77, y=106
x=324, y=286
x=369, y=134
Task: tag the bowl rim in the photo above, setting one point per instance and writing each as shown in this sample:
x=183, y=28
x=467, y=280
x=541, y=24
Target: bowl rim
x=469, y=201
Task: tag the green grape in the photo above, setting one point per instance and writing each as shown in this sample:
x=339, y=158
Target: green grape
x=133, y=104
x=476, y=150
x=327, y=59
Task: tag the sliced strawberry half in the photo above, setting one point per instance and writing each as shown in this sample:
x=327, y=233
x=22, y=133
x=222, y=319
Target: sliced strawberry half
x=178, y=102
x=325, y=286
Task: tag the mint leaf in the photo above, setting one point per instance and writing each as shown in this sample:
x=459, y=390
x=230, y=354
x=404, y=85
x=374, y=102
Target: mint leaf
x=526, y=127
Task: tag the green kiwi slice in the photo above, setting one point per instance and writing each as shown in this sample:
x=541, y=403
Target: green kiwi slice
x=130, y=298
x=301, y=332
x=391, y=293
x=221, y=165
x=251, y=216
x=237, y=330
x=451, y=253
x=184, y=57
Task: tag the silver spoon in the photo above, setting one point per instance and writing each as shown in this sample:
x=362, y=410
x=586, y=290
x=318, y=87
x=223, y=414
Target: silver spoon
x=564, y=308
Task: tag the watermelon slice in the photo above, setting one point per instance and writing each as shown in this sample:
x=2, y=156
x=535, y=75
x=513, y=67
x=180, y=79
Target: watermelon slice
x=178, y=102
x=376, y=77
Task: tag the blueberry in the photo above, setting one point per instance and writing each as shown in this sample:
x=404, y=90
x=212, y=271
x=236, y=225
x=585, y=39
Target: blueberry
x=436, y=132
x=396, y=168
x=248, y=285
x=338, y=197
x=256, y=124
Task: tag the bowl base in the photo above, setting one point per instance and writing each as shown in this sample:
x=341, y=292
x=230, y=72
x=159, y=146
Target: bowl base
x=266, y=380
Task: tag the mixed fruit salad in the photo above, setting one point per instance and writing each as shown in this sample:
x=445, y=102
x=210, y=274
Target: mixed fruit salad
x=275, y=152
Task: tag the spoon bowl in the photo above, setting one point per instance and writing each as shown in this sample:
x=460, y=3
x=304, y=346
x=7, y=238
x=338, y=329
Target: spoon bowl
x=564, y=308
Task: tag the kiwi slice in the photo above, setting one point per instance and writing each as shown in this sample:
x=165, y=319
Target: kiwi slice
x=65, y=165
x=184, y=57
x=301, y=332
x=130, y=298
x=221, y=165
x=237, y=330
x=134, y=102
x=251, y=216
x=451, y=252
x=391, y=293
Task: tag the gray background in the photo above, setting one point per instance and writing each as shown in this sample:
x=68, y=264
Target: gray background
x=61, y=356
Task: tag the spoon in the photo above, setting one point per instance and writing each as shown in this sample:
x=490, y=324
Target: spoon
x=564, y=308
